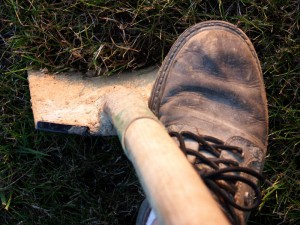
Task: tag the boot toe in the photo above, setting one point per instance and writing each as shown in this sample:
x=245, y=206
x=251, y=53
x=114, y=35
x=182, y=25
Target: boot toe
x=214, y=82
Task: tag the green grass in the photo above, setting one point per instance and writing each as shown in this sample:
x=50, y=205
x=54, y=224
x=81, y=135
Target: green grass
x=62, y=179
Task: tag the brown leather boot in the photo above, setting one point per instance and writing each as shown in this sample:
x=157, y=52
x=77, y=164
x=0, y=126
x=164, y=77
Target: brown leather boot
x=210, y=96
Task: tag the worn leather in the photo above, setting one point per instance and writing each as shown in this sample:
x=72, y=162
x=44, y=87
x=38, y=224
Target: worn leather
x=211, y=84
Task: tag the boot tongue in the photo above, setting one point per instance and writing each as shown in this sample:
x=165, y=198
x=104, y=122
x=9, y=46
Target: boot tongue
x=190, y=143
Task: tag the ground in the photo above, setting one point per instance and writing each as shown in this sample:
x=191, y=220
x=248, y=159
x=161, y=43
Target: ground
x=50, y=178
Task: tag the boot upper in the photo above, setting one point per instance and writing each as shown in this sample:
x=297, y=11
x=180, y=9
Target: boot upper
x=211, y=84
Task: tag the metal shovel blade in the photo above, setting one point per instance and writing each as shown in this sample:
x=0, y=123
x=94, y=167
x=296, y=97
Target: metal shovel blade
x=73, y=103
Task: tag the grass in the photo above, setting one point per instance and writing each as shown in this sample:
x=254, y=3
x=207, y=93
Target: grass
x=61, y=179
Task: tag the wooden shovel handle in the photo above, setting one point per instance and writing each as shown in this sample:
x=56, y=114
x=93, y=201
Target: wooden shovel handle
x=174, y=189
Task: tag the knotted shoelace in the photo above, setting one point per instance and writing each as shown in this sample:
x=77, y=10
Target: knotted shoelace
x=221, y=181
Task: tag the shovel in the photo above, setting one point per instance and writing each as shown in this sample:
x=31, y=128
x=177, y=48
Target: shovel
x=117, y=105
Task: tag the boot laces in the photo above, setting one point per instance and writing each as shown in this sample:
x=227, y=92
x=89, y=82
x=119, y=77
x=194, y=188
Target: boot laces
x=221, y=181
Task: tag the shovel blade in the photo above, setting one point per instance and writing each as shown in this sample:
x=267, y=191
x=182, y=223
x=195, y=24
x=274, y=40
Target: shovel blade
x=73, y=103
